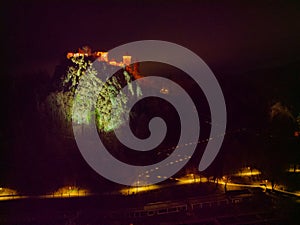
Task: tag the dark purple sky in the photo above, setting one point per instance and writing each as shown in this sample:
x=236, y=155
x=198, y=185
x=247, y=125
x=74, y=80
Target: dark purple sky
x=230, y=35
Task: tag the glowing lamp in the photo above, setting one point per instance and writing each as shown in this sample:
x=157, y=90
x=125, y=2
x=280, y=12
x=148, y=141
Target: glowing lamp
x=164, y=91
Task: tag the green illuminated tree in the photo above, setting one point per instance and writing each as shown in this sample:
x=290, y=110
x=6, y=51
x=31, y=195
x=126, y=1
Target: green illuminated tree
x=105, y=90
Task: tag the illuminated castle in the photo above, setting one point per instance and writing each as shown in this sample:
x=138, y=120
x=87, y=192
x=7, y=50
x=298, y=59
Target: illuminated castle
x=103, y=57
x=131, y=67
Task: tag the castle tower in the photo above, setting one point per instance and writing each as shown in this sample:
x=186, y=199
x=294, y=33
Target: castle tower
x=127, y=60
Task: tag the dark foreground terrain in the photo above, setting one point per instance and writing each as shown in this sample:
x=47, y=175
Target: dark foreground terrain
x=194, y=204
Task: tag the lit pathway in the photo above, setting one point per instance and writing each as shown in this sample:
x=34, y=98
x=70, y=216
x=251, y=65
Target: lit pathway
x=69, y=192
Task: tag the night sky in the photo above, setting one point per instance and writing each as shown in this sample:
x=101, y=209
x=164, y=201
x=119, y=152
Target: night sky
x=229, y=35
x=240, y=42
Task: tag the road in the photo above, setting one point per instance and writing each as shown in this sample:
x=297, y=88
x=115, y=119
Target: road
x=68, y=192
